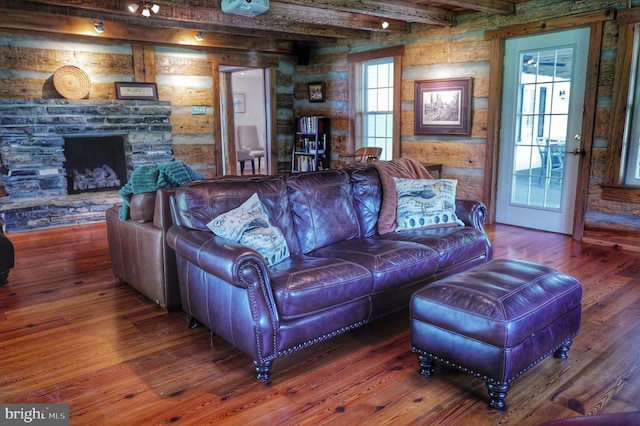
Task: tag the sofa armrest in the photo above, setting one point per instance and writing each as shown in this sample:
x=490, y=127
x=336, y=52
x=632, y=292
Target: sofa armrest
x=472, y=213
x=227, y=260
x=225, y=277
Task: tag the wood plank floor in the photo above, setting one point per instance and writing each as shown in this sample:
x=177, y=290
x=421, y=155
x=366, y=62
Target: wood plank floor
x=71, y=332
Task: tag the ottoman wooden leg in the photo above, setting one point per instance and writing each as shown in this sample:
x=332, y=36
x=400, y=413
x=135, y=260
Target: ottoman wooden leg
x=497, y=394
x=561, y=352
x=426, y=365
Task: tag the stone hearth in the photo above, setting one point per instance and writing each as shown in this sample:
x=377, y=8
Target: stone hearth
x=32, y=151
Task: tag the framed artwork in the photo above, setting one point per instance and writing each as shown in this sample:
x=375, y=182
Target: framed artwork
x=239, y=103
x=443, y=107
x=136, y=91
x=316, y=91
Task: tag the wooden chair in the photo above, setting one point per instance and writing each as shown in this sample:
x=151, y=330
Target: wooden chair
x=243, y=155
x=248, y=139
x=364, y=155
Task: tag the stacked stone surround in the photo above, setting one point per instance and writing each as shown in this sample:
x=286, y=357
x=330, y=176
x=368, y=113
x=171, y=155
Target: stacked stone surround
x=32, y=135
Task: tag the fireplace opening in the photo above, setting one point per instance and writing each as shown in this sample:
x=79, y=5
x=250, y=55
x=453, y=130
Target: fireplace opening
x=94, y=163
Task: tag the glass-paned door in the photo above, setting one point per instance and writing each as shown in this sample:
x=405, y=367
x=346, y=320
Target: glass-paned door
x=542, y=117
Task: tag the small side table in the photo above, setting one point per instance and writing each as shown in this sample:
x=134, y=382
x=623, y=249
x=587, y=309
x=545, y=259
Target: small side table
x=431, y=168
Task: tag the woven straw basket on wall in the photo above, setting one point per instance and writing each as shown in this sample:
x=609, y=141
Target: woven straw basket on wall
x=71, y=82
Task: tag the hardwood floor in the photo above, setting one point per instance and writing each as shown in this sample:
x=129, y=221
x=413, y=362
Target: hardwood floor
x=71, y=332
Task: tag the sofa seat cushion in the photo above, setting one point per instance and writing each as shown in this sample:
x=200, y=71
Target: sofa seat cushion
x=392, y=263
x=452, y=244
x=303, y=285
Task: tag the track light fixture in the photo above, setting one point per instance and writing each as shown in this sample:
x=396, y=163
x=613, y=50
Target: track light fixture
x=384, y=24
x=147, y=8
x=199, y=36
x=97, y=27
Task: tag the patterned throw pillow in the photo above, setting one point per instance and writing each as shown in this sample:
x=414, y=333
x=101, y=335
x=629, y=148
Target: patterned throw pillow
x=426, y=203
x=249, y=225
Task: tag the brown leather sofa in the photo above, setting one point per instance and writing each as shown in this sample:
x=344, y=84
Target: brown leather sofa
x=139, y=253
x=341, y=273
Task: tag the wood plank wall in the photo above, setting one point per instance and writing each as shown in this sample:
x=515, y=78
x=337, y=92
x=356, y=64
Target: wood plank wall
x=183, y=77
x=462, y=51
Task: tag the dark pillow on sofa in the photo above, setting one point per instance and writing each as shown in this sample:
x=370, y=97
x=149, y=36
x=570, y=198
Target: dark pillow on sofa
x=323, y=209
x=142, y=206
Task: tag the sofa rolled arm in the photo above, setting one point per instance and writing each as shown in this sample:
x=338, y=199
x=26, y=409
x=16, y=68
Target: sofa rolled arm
x=240, y=275
x=472, y=213
x=218, y=256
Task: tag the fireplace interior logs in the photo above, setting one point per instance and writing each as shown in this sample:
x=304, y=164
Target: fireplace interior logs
x=94, y=163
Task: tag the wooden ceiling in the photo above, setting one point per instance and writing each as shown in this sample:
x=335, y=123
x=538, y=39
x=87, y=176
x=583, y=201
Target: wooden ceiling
x=286, y=21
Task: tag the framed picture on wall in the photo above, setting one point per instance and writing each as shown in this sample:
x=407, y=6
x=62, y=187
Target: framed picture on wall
x=316, y=91
x=239, y=103
x=136, y=91
x=443, y=107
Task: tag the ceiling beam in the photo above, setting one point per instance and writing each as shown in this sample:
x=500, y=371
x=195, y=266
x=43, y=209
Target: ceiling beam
x=71, y=25
x=400, y=10
x=303, y=21
x=312, y=15
x=498, y=7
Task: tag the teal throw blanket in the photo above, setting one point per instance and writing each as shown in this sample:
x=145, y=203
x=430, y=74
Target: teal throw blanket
x=152, y=178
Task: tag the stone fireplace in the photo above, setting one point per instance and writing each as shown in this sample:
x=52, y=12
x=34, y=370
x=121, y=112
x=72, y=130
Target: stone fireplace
x=38, y=138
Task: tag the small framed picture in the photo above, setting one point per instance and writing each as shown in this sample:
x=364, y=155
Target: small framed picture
x=443, y=107
x=316, y=91
x=136, y=91
x=239, y=105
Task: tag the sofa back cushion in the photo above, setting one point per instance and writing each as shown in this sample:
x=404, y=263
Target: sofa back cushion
x=323, y=209
x=196, y=204
x=367, y=195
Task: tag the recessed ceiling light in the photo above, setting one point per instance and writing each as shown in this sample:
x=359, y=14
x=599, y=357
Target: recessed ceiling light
x=199, y=36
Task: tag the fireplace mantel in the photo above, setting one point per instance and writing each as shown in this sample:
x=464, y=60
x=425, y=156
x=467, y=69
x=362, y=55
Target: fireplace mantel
x=32, y=135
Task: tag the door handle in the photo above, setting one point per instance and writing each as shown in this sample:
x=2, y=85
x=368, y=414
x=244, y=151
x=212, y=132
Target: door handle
x=577, y=151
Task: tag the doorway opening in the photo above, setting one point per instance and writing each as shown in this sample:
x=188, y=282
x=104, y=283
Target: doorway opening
x=245, y=120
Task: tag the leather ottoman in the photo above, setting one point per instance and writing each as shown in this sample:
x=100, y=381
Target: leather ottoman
x=495, y=321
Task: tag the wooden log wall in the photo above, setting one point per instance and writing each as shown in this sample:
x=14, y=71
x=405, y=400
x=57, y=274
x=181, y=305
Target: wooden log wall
x=462, y=51
x=183, y=77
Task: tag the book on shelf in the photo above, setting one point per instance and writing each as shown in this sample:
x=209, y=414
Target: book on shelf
x=308, y=145
x=311, y=124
